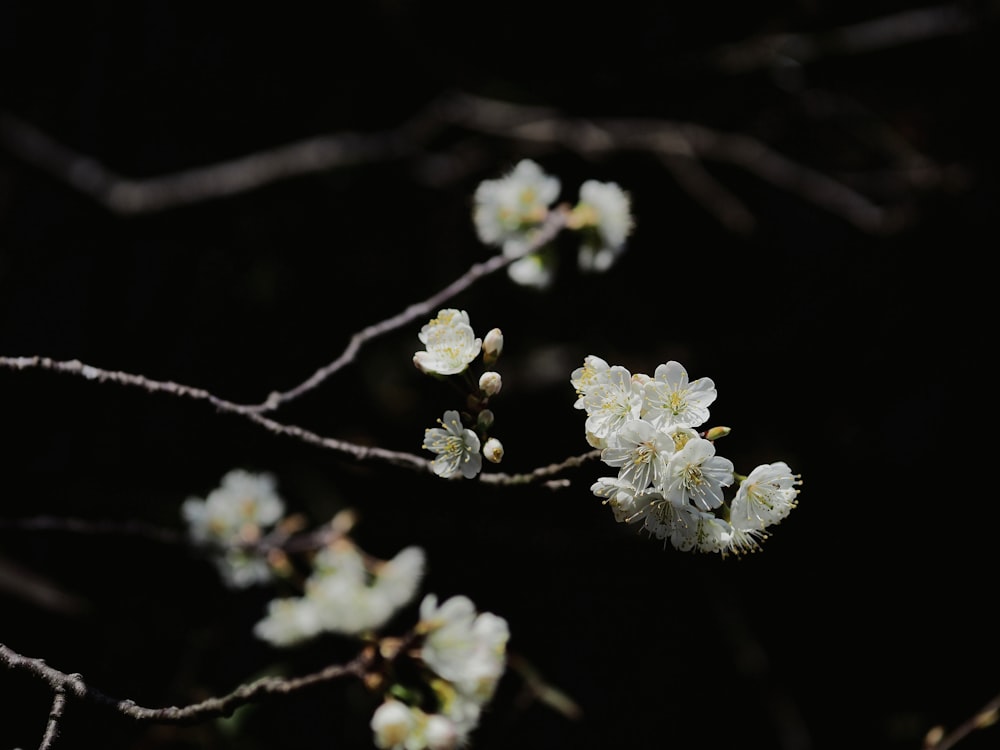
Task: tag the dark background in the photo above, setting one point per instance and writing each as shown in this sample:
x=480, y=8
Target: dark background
x=857, y=356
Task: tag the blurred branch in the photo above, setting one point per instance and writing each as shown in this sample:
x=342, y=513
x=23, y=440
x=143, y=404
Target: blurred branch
x=683, y=147
x=876, y=34
x=987, y=716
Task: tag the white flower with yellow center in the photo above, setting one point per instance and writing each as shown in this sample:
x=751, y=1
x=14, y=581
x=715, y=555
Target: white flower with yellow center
x=765, y=497
x=506, y=208
x=450, y=343
x=456, y=446
x=695, y=475
x=610, y=404
x=641, y=453
x=671, y=400
x=592, y=373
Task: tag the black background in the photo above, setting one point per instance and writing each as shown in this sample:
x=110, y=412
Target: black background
x=857, y=357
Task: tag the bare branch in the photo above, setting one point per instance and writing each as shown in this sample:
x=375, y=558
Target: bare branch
x=875, y=34
x=358, y=452
x=674, y=141
x=984, y=717
x=554, y=223
x=55, y=715
x=73, y=685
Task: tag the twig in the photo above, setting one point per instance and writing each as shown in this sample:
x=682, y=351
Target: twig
x=984, y=717
x=554, y=224
x=73, y=685
x=880, y=33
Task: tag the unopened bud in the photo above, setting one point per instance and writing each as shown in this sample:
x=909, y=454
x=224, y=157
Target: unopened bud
x=493, y=450
x=485, y=419
x=490, y=383
x=717, y=432
x=492, y=346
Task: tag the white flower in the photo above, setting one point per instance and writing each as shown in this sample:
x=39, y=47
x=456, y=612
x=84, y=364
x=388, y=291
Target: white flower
x=392, y=724
x=352, y=598
x=505, y=208
x=698, y=530
x=765, y=497
x=450, y=341
x=234, y=516
x=536, y=270
x=457, y=448
x=606, y=211
x=398, y=579
x=611, y=402
x=696, y=475
x=626, y=503
x=240, y=569
x=289, y=620
x=346, y=593
x=641, y=452
x=441, y=733
x=669, y=399
x=594, y=372
x=237, y=511
x=465, y=648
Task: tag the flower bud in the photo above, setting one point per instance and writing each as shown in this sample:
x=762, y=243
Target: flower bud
x=717, y=432
x=485, y=419
x=490, y=383
x=493, y=450
x=492, y=346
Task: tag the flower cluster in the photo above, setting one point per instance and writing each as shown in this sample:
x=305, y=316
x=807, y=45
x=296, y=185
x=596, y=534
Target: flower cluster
x=462, y=440
x=669, y=476
x=508, y=211
x=464, y=655
x=348, y=592
x=233, y=519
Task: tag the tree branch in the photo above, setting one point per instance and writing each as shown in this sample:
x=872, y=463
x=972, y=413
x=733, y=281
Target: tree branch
x=73, y=685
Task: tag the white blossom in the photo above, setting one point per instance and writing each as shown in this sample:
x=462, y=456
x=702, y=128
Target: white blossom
x=765, y=497
x=504, y=209
x=694, y=474
x=670, y=399
x=607, y=211
x=346, y=593
x=463, y=647
x=535, y=270
x=392, y=724
x=641, y=452
x=232, y=518
x=456, y=446
x=450, y=343
x=610, y=403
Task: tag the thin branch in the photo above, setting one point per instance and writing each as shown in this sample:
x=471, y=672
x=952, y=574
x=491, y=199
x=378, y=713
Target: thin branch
x=137, y=529
x=359, y=452
x=875, y=34
x=554, y=223
x=984, y=717
x=73, y=685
